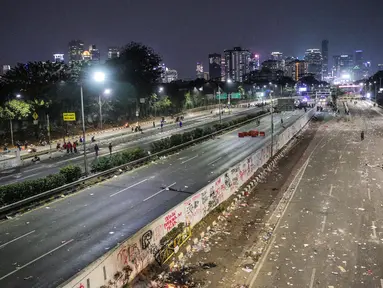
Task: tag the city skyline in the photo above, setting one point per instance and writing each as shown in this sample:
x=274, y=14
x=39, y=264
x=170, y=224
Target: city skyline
x=50, y=32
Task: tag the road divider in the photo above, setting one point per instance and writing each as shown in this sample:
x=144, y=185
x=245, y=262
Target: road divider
x=39, y=192
x=161, y=239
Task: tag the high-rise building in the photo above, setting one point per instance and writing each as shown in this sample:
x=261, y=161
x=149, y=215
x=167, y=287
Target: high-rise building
x=199, y=70
x=296, y=69
x=113, y=52
x=215, y=66
x=276, y=56
x=380, y=67
x=254, y=63
x=76, y=49
x=86, y=56
x=273, y=65
x=58, y=57
x=313, y=57
x=237, y=64
x=5, y=69
x=223, y=68
x=325, y=58
x=358, y=65
x=94, y=54
x=206, y=76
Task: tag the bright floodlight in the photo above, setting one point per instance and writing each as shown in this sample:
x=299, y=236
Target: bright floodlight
x=99, y=77
x=18, y=96
x=161, y=89
x=229, y=81
x=368, y=95
x=107, y=91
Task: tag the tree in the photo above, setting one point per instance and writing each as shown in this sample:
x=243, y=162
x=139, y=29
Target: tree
x=139, y=66
x=15, y=109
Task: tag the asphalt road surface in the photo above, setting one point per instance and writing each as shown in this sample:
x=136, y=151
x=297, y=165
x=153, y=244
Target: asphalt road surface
x=331, y=233
x=60, y=159
x=46, y=246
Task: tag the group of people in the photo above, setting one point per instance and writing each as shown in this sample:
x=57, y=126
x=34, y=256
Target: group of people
x=68, y=146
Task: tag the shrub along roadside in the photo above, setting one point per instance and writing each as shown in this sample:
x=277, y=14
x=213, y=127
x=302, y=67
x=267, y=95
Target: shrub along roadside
x=117, y=159
x=19, y=191
x=179, y=139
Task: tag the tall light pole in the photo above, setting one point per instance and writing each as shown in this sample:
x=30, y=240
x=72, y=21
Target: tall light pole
x=18, y=96
x=106, y=92
x=272, y=124
x=83, y=128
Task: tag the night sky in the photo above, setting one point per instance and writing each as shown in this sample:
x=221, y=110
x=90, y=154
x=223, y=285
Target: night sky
x=185, y=32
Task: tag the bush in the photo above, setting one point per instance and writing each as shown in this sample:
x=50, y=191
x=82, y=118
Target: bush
x=117, y=159
x=71, y=173
x=19, y=191
x=178, y=139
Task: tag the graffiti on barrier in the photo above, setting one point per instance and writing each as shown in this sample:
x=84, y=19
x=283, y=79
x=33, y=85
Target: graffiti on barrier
x=219, y=187
x=147, y=242
x=132, y=255
x=192, y=209
x=234, y=178
x=171, y=220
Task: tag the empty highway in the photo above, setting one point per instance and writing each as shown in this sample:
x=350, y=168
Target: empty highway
x=48, y=245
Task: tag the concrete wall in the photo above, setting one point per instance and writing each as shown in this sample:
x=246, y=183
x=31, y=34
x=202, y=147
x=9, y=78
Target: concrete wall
x=139, y=250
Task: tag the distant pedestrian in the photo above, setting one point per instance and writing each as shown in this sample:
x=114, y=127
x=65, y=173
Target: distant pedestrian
x=96, y=149
x=75, y=147
x=362, y=136
x=110, y=148
x=180, y=124
x=68, y=146
x=154, y=124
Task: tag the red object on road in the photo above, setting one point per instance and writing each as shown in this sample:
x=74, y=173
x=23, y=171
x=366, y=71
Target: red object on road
x=254, y=133
x=241, y=135
x=262, y=133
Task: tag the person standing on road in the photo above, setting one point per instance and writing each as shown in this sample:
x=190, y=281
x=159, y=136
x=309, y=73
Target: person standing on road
x=110, y=148
x=96, y=149
x=154, y=124
x=362, y=136
x=75, y=147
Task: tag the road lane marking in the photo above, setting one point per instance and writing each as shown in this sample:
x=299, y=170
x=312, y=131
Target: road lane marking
x=340, y=157
x=312, y=278
x=330, y=193
x=189, y=159
x=22, y=178
x=336, y=171
x=131, y=186
x=296, y=181
x=214, y=161
x=155, y=194
x=34, y=260
x=22, y=236
x=323, y=223
x=381, y=283
x=373, y=230
x=369, y=193
x=37, y=168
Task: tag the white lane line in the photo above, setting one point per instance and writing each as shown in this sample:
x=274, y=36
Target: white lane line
x=189, y=159
x=330, y=193
x=381, y=283
x=323, y=223
x=22, y=178
x=214, y=161
x=22, y=236
x=155, y=194
x=34, y=260
x=312, y=278
x=131, y=186
x=336, y=171
x=340, y=157
x=369, y=193
x=373, y=230
x=37, y=168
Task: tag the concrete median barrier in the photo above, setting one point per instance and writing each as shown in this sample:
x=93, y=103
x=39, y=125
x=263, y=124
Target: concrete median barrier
x=154, y=243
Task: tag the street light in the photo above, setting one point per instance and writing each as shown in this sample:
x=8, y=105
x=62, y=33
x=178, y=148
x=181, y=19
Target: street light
x=106, y=92
x=98, y=77
x=18, y=96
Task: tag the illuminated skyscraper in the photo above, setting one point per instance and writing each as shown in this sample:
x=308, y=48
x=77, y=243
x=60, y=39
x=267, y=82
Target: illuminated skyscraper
x=325, y=58
x=314, y=59
x=113, y=52
x=58, y=57
x=199, y=70
x=237, y=64
x=215, y=66
x=94, y=54
x=76, y=49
